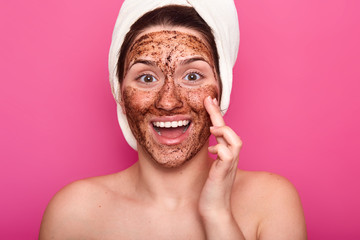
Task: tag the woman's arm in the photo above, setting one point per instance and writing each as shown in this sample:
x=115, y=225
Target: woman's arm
x=214, y=204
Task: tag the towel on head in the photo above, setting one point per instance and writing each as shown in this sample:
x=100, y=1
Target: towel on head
x=220, y=15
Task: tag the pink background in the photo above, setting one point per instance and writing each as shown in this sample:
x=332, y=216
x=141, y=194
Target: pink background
x=295, y=104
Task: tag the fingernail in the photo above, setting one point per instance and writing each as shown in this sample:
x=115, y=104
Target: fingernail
x=215, y=101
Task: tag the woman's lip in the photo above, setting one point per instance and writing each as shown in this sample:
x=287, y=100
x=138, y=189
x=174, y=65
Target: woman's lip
x=171, y=141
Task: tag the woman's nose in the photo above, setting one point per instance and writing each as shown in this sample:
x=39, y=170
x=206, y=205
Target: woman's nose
x=169, y=98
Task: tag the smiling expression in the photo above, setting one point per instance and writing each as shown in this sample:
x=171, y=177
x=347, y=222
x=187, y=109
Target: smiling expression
x=168, y=74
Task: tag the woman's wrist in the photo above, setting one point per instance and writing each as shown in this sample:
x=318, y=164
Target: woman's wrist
x=221, y=225
x=215, y=215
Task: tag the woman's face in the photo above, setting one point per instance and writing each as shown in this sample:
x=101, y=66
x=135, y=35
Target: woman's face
x=168, y=74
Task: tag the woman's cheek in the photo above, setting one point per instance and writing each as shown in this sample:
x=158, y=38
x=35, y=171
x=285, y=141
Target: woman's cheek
x=137, y=104
x=196, y=97
x=138, y=101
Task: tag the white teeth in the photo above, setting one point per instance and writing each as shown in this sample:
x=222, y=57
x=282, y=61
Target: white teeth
x=172, y=124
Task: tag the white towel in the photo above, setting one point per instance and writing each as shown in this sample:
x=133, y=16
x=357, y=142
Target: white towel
x=220, y=15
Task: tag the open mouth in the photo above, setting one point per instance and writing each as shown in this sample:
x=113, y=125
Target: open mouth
x=172, y=129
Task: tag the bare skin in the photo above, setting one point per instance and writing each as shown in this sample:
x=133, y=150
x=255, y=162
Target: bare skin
x=179, y=195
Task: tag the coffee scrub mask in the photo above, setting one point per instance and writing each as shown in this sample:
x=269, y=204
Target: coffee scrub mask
x=168, y=74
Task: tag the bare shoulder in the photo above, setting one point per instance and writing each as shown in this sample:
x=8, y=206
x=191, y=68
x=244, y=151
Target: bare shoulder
x=275, y=203
x=264, y=183
x=77, y=206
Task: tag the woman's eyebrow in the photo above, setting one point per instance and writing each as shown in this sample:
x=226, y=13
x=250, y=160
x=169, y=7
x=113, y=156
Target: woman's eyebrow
x=143, y=61
x=182, y=62
x=194, y=59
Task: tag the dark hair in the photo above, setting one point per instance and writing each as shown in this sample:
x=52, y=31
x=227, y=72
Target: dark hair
x=170, y=15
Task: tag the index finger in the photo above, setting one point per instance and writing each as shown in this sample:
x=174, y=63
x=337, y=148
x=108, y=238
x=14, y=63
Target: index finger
x=213, y=109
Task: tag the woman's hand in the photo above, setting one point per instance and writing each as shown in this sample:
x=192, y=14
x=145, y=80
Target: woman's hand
x=215, y=198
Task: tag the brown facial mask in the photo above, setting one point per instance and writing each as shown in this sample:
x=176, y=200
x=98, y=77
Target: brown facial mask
x=168, y=75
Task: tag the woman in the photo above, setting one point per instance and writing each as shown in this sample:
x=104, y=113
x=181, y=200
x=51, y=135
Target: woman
x=169, y=74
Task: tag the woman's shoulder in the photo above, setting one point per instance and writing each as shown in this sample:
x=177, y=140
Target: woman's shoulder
x=260, y=186
x=71, y=208
x=89, y=190
x=88, y=187
x=264, y=181
x=272, y=200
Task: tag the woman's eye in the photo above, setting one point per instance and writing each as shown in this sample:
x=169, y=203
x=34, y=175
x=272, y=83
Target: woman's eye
x=192, y=76
x=147, y=78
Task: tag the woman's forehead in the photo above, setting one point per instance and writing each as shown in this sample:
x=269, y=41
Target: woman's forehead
x=180, y=29
x=169, y=42
x=169, y=38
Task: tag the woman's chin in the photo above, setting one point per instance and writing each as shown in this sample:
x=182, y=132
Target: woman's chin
x=174, y=156
x=169, y=156
x=170, y=164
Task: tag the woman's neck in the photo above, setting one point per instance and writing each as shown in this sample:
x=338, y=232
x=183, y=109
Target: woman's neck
x=174, y=187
